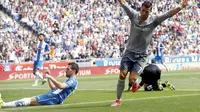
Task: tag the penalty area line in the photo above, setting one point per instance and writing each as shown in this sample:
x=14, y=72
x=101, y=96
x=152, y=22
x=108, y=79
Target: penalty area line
x=99, y=102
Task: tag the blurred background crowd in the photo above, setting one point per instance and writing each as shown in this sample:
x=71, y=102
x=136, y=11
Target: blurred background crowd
x=81, y=29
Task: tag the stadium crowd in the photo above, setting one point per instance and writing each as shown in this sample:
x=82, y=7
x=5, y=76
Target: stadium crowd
x=90, y=28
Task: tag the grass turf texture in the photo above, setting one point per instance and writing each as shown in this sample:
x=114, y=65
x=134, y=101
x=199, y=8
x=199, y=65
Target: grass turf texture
x=96, y=93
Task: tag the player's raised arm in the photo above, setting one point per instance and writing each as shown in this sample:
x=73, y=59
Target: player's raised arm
x=183, y=5
x=129, y=11
x=71, y=71
x=171, y=13
x=51, y=85
x=55, y=82
x=122, y=2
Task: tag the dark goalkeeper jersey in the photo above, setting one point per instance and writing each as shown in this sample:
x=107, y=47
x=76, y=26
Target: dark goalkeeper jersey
x=151, y=74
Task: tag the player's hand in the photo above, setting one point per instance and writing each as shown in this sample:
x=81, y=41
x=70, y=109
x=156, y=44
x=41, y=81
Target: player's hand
x=184, y=3
x=47, y=73
x=47, y=76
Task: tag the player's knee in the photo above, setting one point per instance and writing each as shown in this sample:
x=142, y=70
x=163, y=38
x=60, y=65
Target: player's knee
x=33, y=102
x=133, y=77
x=37, y=72
x=34, y=72
x=122, y=75
x=27, y=99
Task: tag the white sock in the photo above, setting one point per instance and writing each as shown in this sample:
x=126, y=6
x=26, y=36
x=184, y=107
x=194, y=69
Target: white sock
x=18, y=103
x=39, y=75
x=36, y=81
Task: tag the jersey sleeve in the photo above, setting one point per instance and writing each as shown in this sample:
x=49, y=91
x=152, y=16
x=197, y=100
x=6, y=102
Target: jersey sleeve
x=129, y=11
x=159, y=19
x=70, y=83
x=47, y=48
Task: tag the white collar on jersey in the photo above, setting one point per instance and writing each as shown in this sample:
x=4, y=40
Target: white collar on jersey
x=148, y=21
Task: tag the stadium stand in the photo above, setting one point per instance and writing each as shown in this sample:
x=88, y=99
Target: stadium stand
x=88, y=28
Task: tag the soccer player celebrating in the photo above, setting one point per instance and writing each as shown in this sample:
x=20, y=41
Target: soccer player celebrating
x=142, y=28
x=151, y=79
x=159, y=53
x=60, y=91
x=43, y=50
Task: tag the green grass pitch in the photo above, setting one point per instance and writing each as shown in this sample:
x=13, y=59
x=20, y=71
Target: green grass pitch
x=96, y=93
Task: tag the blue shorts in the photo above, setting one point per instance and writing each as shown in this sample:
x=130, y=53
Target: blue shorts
x=38, y=65
x=48, y=99
x=133, y=62
x=159, y=59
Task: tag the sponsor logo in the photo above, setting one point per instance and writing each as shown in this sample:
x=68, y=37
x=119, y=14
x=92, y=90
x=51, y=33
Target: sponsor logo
x=6, y=67
x=84, y=72
x=18, y=68
x=21, y=68
x=112, y=63
x=139, y=28
x=177, y=60
x=80, y=73
x=54, y=66
x=70, y=83
x=15, y=75
x=112, y=71
x=90, y=71
x=182, y=59
x=28, y=67
x=61, y=73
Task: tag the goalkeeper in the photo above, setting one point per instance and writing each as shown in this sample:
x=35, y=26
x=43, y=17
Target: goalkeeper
x=151, y=79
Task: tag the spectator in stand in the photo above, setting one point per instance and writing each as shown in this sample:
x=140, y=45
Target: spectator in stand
x=91, y=28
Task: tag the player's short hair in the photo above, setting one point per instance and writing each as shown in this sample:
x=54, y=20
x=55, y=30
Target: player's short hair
x=147, y=4
x=41, y=33
x=74, y=66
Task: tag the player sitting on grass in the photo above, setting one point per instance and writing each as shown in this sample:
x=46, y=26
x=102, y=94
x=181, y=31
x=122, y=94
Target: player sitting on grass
x=151, y=79
x=60, y=91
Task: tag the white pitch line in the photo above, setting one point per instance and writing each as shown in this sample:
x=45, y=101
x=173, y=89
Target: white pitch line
x=84, y=89
x=139, y=89
x=87, y=89
x=106, y=101
x=49, y=89
x=188, y=89
x=24, y=88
